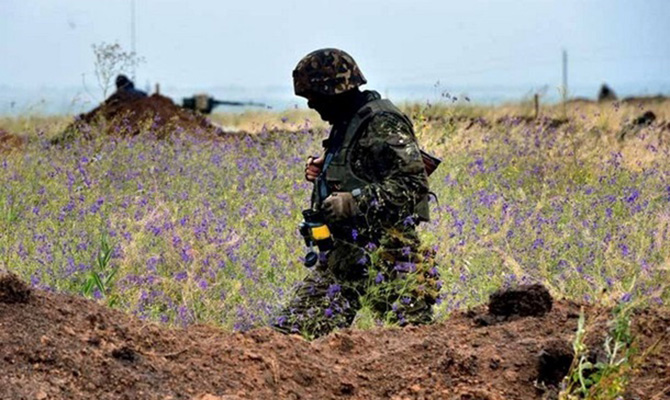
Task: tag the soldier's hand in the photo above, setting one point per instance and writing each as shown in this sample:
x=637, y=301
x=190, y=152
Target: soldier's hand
x=339, y=206
x=313, y=168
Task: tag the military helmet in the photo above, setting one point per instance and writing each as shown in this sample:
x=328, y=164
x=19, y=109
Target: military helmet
x=328, y=72
x=122, y=81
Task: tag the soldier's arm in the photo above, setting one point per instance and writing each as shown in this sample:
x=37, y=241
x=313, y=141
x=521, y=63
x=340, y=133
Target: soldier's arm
x=389, y=154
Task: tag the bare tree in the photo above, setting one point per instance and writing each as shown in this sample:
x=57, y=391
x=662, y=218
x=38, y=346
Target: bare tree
x=110, y=61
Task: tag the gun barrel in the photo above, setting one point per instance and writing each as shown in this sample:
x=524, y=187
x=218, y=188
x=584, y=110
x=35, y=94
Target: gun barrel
x=237, y=103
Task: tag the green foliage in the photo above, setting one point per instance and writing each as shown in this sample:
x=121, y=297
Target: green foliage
x=101, y=278
x=10, y=217
x=603, y=379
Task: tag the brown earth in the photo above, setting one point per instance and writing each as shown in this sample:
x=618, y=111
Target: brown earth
x=642, y=100
x=9, y=142
x=635, y=100
x=124, y=115
x=54, y=346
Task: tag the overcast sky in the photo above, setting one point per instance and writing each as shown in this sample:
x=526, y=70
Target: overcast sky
x=257, y=43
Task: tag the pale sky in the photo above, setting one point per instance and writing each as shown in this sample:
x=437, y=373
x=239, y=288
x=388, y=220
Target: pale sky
x=47, y=43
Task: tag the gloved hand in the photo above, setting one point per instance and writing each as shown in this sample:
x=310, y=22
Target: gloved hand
x=313, y=168
x=339, y=206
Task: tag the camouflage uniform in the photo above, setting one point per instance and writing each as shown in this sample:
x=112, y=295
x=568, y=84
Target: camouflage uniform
x=376, y=259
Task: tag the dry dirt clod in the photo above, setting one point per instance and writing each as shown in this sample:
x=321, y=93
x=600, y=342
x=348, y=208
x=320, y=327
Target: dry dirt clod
x=521, y=301
x=13, y=290
x=9, y=142
x=645, y=119
x=476, y=394
x=94, y=340
x=346, y=389
x=212, y=397
x=125, y=353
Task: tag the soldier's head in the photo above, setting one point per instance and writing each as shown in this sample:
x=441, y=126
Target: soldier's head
x=328, y=79
x=122, y=82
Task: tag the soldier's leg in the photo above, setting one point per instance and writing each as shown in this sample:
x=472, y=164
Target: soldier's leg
x=320, y=304
x=405, y=284
x=403, y=300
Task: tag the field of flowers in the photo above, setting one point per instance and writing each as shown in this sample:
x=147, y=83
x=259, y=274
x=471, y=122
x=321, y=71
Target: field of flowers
x=190, y=230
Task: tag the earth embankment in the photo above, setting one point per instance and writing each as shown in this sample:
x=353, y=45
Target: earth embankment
x=57, y=346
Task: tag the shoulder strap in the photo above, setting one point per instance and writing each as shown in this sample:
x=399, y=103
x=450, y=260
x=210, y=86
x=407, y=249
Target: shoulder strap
x=365, y=114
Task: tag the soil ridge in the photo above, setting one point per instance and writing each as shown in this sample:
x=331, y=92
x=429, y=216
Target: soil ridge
x=57, y=346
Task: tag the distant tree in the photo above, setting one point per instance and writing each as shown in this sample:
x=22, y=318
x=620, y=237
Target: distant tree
x=110, y=61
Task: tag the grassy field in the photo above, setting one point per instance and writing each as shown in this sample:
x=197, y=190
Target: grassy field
x=189, y=231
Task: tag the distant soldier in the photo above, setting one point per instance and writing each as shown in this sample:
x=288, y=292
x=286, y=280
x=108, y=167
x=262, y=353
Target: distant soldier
x=372, y=188
x=606, y=93
x=125, y=89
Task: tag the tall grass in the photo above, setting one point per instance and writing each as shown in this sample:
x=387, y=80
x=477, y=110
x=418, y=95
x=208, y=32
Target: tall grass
x=206, y=231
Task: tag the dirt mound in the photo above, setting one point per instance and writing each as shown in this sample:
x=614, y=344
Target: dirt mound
x=522, y=301
x=580, y=101
x=9, y=142
x=13, y=290
x=659, y=98
x=63, y=347
x=645, y=119
x=516, y=302
x=123, y=115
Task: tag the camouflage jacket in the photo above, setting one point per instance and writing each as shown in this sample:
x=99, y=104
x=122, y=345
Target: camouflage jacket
x=385, y=155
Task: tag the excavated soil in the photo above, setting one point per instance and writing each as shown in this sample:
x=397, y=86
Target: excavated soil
x=645, y=99
x=54, y=346
x=124, y=115
x=13, y=290
x=9, y=142
x=523, y=301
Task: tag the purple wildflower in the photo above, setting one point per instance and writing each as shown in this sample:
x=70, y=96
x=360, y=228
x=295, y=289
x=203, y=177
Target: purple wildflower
x=632, y=196
x=624, y=249
x=333, y=290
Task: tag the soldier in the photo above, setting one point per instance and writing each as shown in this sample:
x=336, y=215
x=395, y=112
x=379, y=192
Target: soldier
x=606, y=93
x=372, y=188
x=125, y=89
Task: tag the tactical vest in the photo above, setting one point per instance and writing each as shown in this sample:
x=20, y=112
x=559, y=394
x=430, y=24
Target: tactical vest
x=339, y=173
